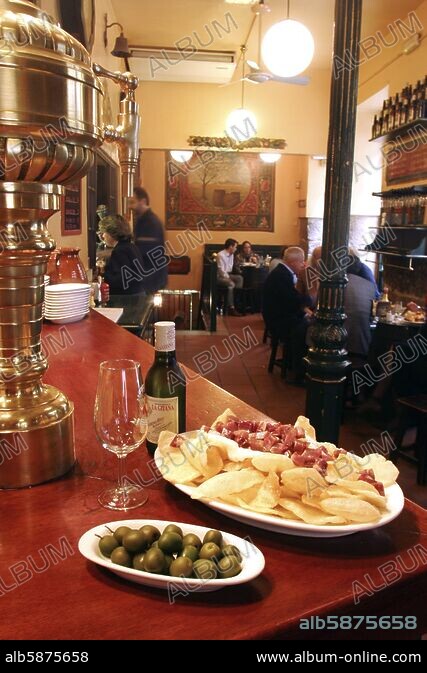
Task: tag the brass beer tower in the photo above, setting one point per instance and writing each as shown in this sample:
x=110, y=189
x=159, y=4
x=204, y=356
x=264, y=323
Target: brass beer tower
x=50, y=126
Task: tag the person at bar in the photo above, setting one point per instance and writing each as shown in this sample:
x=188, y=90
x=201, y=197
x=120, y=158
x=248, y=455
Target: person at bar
x=123, y=268
x=286, y=311
x=150, y=239
x=246, y=255
x=225, y=276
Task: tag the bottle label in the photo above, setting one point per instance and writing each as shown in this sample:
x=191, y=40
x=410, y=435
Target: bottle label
x=162, y=415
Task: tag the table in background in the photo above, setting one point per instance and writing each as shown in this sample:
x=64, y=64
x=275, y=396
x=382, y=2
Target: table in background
x=388, y=335
x=253, y=281
x=75, y=599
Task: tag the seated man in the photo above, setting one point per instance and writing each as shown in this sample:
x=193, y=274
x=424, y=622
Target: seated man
x=285, y=310
x=359, y=294
x=361, y=269
x=225, y=276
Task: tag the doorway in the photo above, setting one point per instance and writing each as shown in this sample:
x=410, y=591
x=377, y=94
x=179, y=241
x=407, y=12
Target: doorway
x=102, y=188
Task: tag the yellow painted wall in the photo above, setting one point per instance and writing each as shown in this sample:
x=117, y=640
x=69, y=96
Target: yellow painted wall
x=290, y=170
x=389, y=68
x=171, y=112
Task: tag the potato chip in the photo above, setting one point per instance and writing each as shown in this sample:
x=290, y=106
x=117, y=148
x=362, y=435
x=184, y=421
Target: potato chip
x=224, y=417
x=303, y=480
x=229, y=466
x=365, y=491
x=211, y=462
x=309, y=514
x=268, y=494
x=272, y=462
x=175, y=468
x=312, y=502
x=384, y=470
x=342, y=467
x=304, y=423
x=228, y=483
x=353, y=509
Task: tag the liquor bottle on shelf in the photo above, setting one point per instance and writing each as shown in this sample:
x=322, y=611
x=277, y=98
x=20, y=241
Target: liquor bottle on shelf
x=165, y=387
x=383, y=305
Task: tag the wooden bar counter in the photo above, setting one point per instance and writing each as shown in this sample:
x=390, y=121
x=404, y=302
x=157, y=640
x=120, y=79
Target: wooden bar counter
x=48, y=594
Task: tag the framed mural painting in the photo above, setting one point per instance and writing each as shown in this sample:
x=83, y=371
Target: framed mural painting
x=228, y=191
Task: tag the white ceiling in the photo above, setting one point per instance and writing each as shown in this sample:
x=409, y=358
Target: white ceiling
x=162, y=23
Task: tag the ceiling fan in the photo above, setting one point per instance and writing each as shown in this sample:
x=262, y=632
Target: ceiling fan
x=256, y=74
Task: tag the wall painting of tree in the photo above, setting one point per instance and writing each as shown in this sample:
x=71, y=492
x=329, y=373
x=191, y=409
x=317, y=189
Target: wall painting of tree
x=224, y=190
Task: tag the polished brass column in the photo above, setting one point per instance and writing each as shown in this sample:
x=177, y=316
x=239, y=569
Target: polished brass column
x=327, y=358
x=50, y=127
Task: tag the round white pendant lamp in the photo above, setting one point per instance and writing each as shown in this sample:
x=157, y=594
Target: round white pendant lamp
x=269, y=157
x=241, y=125
x=181, y=156
x=287, y=48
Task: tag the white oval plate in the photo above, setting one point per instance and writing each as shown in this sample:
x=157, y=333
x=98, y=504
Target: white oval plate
x=252, y=565
x=395, y=504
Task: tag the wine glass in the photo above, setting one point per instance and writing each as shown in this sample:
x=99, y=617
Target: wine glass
x=121, y=425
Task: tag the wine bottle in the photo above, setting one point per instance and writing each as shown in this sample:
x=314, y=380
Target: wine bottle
x=383, y=305
x=165, y=387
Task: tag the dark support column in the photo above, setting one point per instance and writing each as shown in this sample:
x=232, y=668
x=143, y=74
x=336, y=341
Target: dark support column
x=326, y=360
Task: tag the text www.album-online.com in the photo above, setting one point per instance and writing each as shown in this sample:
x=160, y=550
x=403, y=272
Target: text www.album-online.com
x=306, y=657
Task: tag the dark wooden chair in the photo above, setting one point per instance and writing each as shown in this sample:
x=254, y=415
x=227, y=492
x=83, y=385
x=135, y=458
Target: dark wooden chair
x=412, y=412
x=283, y=362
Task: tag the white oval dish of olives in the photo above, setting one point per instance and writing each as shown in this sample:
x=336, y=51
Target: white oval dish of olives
x=172, y=555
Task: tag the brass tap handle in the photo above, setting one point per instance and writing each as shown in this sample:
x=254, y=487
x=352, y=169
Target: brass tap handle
x=126, y=80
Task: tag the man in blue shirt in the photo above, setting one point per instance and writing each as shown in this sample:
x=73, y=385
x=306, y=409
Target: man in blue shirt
x=150, y=239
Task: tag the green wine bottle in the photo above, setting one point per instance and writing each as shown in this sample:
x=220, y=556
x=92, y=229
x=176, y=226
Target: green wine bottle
x=165, y=387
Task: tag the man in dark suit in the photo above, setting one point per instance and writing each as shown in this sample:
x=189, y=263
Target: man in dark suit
x=150, y=238
x=285, y=310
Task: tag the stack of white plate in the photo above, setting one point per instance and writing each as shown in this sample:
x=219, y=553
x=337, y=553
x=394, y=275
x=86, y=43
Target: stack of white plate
x=68, y=302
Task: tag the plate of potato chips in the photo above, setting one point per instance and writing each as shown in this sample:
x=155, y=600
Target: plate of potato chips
x=269, y=490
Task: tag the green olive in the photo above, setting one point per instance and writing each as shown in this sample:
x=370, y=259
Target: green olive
x=151, y=532
x=168, y=561
x=231, y=550
x=205, y=569
x=107, y=545
x=181, y=567
x=135, y=541
x=170, y=543
x=213, y=536
x=138, y=561
x=210, y=550
x=193, y=540
x=154, y=561
x=190, y=552
x=121, y=532
x=121, y=557
x=171, y=528
x=229, y=566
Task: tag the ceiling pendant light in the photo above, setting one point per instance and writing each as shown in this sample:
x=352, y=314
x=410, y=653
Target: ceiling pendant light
x=287, y=48
x=241, y=123
x=269, y=157
x=181, y=156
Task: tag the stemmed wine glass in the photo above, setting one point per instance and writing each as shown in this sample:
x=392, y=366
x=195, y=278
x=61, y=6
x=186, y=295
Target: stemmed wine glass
x=121, y=425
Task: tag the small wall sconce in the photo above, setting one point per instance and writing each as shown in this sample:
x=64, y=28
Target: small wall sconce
x=121, y=47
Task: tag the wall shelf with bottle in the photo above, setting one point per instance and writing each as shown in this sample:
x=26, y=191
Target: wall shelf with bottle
x=415, y=127
x=402, y=113
x=402, y=230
